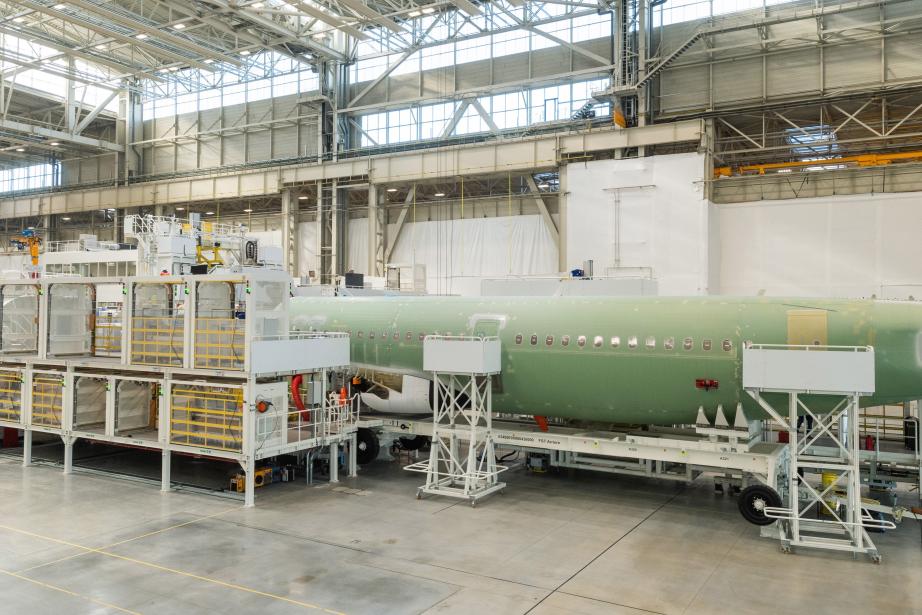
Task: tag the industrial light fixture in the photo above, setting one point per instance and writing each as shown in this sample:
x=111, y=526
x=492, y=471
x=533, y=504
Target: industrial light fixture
x=66, y=219
x=54, y=143
x=60, y=7
x=427, y=10
x=18, y=19
x=20, y=149
x=247, y=211
x=302, y=198
x=110, y=209
x=101, y=46
x=141, y=36
x=30, y=228
x=257, y=5
x=392, y=189
x=439, y=194
x=544, y=186
x=209, y=213
x=209, y=61
x=179, y=26
x=414, y=13
x=180, y=209
x=245, y=52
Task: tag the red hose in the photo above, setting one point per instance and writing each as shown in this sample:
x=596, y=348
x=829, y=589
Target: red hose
x=296, y=396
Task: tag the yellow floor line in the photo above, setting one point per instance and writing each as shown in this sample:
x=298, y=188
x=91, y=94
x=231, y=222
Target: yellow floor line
x=121, y=542
x=67, y=591
x=190, y=575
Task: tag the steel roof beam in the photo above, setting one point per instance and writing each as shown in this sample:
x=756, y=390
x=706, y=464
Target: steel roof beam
x=131, y=40
x=331, y=20
x=364, y=10
x=58, y=135
x=158, y=33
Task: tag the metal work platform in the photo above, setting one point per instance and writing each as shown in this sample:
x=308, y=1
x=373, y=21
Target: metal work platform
x=462, y=369
x=188, y=364
x=823, y=384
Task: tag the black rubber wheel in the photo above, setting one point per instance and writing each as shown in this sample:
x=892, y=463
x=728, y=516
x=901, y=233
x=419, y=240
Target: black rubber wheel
x=367, y=446
x=753, y=499
x=413, y=444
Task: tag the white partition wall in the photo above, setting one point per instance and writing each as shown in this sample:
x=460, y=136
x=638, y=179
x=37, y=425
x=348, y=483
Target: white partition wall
x=839, y=246
x=641, y=213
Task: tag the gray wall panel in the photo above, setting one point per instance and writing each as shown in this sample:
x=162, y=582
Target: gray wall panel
x=234, y=149
x=258, y=146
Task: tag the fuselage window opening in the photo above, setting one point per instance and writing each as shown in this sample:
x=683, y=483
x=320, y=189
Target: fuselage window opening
x=422, y=336
x=597, y=341
x=549, y=340
x=727, y=345
x=360, y=334
x=615, y=341
x=396, y=336
x=534, y=339
x=651, y=342
x=632, y=341
x=688, y=344
x=706, y=345
x=371, y=335
x=581, y=341
x=565, y=340
x=409, y=336
x=669, y=343
x=518, y=338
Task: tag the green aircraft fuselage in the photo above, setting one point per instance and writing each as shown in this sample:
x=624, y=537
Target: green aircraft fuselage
x=625, y=360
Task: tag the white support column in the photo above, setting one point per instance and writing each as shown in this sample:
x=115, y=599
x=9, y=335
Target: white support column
x=353, y=462
x=111, y=400
x=249, y=469
x=68, y=454
x=26, y=448
x=166, y=459
x=334, y=462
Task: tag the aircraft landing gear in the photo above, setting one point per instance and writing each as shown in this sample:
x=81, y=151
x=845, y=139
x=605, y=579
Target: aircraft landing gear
x=367, y=446
x=754, y=499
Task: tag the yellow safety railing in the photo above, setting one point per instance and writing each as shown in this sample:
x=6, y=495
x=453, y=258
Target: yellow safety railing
x=10, y=397
x=207, y=417
x=157, y=340
x=108, y=335
x=47, y=400
x=860, y=160
x=219, y=342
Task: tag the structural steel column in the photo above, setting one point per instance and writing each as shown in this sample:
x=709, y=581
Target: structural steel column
x=319, y=265
x=562, y=197
x=290, y=243
x=375, y=234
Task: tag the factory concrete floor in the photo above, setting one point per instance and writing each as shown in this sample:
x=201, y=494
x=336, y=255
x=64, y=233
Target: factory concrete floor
x=555, y=543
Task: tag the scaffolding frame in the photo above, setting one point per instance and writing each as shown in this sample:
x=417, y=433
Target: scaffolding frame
x=462, y=369
x=823, y=384
x=196, y=406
